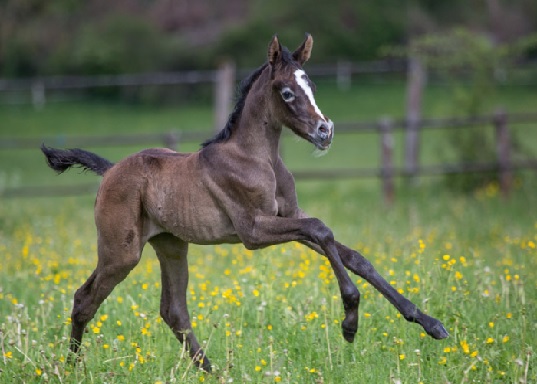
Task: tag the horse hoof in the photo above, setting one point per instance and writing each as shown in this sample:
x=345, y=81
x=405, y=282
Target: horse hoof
x=202, y=361
x=348, y=334
x=438, y=332
x=206, y=365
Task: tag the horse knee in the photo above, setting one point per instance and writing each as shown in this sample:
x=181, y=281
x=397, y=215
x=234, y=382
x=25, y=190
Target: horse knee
x=320, y=232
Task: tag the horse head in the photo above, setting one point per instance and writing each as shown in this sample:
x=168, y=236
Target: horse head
x=293, y=100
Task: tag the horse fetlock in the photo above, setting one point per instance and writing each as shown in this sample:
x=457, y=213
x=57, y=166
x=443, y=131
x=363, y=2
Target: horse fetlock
x=412, y=314
x=351, y=299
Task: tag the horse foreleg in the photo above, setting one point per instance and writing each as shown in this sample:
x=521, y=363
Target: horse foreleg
x=359, y=265
x=270, y=230
x=172, y=254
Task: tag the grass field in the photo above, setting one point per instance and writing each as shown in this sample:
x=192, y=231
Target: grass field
x=274, y=315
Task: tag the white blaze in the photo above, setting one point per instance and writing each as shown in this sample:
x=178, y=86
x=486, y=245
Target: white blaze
x=302, y=82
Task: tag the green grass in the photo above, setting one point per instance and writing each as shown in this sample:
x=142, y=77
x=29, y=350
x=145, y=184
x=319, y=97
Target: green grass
x=274, y=315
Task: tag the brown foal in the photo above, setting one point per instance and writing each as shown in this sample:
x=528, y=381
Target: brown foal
x=235, y=189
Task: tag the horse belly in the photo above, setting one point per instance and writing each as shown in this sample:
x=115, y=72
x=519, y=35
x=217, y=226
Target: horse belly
x=194, y=219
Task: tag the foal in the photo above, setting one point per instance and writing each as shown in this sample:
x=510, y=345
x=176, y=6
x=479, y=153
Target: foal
x=235, y=189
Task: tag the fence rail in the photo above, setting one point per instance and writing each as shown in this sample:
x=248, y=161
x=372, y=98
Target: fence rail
x=386, y=171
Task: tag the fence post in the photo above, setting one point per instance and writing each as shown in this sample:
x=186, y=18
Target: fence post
x=223, y=94
x=415, y=84
x=38, y=94
x=503, y=151
x=343, y=75
x=386, y=171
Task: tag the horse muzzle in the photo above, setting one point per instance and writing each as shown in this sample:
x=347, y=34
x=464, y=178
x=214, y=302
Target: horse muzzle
x=324, y=133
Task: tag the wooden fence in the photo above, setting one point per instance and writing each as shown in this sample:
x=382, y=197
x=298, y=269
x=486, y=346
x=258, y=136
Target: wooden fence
x=386, y=171
x=222, y=79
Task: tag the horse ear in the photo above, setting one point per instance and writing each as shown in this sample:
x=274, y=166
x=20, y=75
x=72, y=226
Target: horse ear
x=303, y=53
x=274, y=50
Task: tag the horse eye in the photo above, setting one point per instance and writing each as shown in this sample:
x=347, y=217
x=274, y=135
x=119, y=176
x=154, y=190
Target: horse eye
x=287, y=95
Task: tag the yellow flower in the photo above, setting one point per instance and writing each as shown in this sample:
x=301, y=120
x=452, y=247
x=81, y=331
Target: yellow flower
x=277, y=379
x=120, y=337
x=489, y=340
x=38, y=371
x=257, y=368
x=465, y=347
x=401, y=356
x=505, y=339
x=509, y=315
x=8, y=355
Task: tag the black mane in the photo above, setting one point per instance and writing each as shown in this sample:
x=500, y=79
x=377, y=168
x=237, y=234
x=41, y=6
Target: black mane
x=242, y=93
x=243, y=90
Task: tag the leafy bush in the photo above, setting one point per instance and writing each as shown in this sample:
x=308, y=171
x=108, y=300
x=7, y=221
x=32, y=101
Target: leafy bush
x=470, y=64
x=119, y=44
x=341, y=29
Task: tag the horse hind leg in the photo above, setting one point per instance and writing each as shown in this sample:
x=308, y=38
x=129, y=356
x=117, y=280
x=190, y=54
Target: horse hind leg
x=116, y=260
x=172, y=255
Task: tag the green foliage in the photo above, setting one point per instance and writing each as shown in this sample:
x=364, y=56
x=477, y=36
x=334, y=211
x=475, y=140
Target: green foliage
x=341, y=29
x=119, y=44
x=470, y=64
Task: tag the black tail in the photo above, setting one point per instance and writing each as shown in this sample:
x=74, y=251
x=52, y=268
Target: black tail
x=62, y=159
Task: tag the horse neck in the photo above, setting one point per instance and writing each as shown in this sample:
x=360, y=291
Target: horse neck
x=258, y=133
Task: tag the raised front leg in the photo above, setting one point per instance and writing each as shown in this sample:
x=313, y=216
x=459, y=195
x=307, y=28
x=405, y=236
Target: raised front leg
x=270, y=230
x=358, y=264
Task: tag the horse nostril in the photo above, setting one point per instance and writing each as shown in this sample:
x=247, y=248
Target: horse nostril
x=323, y=131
